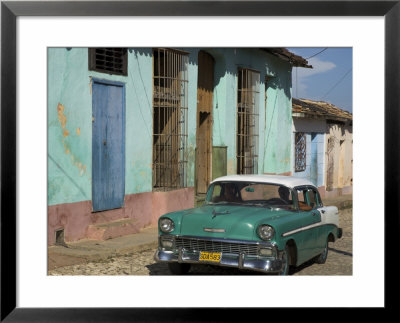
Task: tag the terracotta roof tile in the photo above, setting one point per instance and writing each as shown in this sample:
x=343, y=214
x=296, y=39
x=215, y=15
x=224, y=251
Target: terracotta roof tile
x=319, y=109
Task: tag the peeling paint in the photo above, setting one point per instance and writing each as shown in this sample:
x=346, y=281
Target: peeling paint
x=67, y=149
x=61, y=116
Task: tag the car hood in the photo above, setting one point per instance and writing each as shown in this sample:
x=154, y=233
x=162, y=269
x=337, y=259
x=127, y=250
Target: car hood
x=225, y=221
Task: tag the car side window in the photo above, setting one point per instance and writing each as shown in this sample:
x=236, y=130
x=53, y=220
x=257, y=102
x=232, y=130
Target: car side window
x=303, y=201
x=308, y=198
x=317, y=199
x=312, y=199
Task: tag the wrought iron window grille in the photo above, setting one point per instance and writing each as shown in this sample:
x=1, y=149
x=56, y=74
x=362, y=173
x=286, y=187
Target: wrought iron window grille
x=247, y=121
x=109, y=60
x=300, y=152
x=170, y=108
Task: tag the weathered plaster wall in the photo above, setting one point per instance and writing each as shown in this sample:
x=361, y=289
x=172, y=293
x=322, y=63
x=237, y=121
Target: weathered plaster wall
x=70, y=123
x=348, y=157
x=70, y=146
x=339, y=160
x=274, y=117
x=140, y=210
x=316, y=128
x=278, y=118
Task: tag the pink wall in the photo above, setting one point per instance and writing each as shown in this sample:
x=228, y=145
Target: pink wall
x=140, y=210
x=336, y=192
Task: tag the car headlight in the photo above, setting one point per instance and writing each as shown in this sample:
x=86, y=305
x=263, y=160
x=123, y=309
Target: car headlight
x=265, y=232
x=166, y=225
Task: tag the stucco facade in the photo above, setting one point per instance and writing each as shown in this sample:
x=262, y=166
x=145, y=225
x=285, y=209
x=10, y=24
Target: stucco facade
x=70, y=135
x=339, y=160
x=328, y=146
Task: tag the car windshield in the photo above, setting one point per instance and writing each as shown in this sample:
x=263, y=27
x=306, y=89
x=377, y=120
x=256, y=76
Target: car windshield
x=250, y=194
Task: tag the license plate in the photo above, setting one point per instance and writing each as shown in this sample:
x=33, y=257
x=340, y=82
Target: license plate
x=210, y=256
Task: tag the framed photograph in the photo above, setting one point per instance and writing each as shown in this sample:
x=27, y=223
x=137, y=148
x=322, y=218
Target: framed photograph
x=30, y=28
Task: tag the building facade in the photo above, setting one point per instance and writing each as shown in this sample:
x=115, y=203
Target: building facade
x=134, y=133
x=322, y=144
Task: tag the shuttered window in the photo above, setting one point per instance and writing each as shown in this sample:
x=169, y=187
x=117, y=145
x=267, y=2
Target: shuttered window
x=109, y=60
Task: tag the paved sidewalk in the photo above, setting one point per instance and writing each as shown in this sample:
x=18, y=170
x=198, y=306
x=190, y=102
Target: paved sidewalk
x=83, y=251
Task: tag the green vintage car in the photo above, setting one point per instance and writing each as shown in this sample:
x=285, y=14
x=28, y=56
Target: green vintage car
x=255, y=222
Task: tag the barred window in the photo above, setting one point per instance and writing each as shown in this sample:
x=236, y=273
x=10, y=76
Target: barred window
x=247, y=121
x=109, y=60
x=300, y=152
x=170, y=106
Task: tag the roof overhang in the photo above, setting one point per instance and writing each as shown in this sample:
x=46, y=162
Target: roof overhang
x=288, y=56
x=302, y=115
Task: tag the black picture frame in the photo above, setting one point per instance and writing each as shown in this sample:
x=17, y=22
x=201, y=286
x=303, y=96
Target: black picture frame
x=10, y=10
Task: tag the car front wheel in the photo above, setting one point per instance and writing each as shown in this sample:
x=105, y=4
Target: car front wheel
x=178, y=269
x=322, y=257
x=285, y=262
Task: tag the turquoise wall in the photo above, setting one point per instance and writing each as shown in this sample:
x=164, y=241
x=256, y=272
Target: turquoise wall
x=69, y=153
x=275, y=115
x=70, y=117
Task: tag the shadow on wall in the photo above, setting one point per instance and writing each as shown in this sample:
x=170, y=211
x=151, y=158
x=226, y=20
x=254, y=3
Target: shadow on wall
x=224, y=66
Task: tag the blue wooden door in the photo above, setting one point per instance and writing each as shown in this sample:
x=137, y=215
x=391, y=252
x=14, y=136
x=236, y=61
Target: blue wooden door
x=108, y=145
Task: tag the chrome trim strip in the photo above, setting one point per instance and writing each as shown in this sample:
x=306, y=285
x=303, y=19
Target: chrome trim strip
x=307, y=227
x=252, y=242
x=213, y=230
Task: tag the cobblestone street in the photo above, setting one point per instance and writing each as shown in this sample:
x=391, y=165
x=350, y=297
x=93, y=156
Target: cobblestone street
x=339, y=262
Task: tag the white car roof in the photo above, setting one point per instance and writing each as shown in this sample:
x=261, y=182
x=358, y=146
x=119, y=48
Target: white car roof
x=289, y=181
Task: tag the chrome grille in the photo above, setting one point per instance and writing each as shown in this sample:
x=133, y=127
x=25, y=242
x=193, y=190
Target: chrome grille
x=215, y=246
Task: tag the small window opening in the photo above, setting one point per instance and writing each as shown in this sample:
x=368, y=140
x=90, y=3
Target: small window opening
x=60, y=241
x=300, y=152
x=109, y=60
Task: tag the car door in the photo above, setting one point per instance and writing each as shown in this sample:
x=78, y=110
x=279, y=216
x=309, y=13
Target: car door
x=314, y=201
x=311, y=220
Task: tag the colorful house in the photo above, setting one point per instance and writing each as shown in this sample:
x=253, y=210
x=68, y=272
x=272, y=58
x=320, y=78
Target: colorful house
x=134, y=133
x=323, y=146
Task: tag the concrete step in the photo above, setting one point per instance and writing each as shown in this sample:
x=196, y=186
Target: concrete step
x=110, y=230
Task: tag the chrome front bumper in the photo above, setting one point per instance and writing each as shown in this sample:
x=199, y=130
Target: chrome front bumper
x=241, y=261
